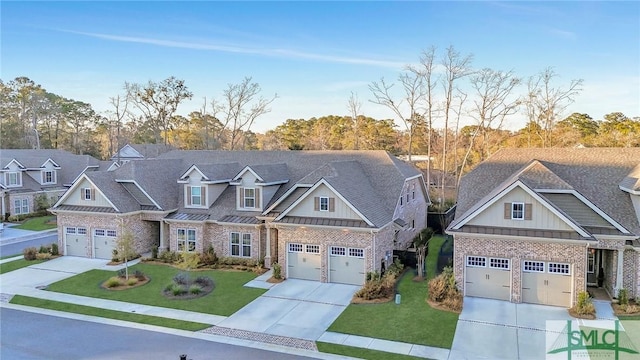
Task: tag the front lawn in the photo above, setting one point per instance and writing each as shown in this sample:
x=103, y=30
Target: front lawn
x=228, y=297
x=361, y=353
x=109, y=314
x=17, y=264
x=38, y=223
x=413, y=321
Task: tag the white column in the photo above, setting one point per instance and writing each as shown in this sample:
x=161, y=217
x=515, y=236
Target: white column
x=162, y=245
x=267, y=256
x=619, y=278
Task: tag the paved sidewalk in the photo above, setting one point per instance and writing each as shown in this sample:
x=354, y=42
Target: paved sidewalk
x=17, y=283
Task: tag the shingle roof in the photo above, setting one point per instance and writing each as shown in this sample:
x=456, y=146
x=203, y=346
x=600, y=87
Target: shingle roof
x=219, y=172
x=595, y=173
x=632, y=180
x=271, y=172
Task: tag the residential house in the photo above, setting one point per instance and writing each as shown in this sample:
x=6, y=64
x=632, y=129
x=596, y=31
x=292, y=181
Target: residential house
x=541, y=225
x=44, y=175
x=329, y=216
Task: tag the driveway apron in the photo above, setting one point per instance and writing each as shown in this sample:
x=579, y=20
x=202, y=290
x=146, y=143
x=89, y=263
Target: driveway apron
x=294, y=308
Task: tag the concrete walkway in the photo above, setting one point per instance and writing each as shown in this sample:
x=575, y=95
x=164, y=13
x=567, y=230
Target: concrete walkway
x=311, y=308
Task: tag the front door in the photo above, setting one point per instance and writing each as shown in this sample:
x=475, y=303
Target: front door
x=594, y=259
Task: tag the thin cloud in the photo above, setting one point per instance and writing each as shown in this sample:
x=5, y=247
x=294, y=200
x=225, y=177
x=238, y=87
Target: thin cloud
x=287, y=53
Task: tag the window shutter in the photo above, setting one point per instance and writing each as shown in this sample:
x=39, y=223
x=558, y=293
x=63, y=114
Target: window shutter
x=93, y=194
x=507, y=210
x=241, y=189
x=188, y=200
x=82, y=190
x=316, y=204
x=528, y=211
x=203, y=194
x=332, y=204
x=257, y=196
x=42, y=177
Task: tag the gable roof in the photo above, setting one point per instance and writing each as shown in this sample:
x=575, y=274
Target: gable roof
x=214, y=172
x=592, y=173
x=141, y=151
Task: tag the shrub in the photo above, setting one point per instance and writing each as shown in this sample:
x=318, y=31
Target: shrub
x=122, y=273
x=623, y=297
x=139, y=275
x=373, y=275
x=188, y=260
x=195, y=289
x=154, y=252
x=377, y=288
x=169, y=256
x=203, y=281
x=43, y=256
x=114, y=256
x=44, y=250
x=30, y=253
x=443, y=287
x=395, y=269
x=277, y=271
x=209, y=256
x=113, y=282
x=584, y=305
x=132, y=281
x=177, y=290
x=181, y=278
x=54, y=249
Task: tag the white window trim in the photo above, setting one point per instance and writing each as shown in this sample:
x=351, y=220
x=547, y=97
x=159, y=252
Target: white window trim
x=199, y=196
x=559, y=265
x=245, y=198
x=85, y=192
x=295, y=248
x=338, y=251
x=18, y=179
x=499, y=261
x=20, y=206
x=312, y=249
x=473, y=261
x=591, y=263
x=53, y=177
x=326, y=198
x=539, y=264
x=186, y=239
x=513, y=211
x=241, y=245
x=356, y=252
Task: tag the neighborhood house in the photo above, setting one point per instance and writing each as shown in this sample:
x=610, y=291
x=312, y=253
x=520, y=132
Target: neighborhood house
x=330, y=216
x=541, y=225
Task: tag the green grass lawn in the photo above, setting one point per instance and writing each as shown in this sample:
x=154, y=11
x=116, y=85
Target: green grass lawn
x=38, y=223
x=413, y=321
x=228, y=296
x=110, y=314
x=17, y=264
x=361, y=353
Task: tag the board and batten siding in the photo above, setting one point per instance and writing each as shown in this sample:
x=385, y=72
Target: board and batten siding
x=306, y=207
x=75, y=197
x=541, y=217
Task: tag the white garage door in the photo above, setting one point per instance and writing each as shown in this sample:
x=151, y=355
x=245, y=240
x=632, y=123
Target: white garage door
x=546, y=283
x=346, y=265
x=488, y=277
x=75, y=241
x=303, y=261
x=104, y=241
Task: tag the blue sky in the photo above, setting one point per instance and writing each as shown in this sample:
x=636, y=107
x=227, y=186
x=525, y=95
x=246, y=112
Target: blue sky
x=314, y=54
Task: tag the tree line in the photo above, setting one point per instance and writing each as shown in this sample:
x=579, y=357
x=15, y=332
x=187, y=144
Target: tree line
x=427, y=100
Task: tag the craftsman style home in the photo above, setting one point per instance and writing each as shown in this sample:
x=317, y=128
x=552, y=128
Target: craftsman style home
x=541, y=225
x=329, y=216
x=33, y=178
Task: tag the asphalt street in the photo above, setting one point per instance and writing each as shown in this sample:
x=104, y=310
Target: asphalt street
x=15, y=248
x=26, y=335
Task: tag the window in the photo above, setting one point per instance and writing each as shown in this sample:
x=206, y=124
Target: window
x=413, y=194
x=99, y=232
x=558, y=268
x=401, y=198
x=186, y=240
x=356, y=253
x=533, y=266
x=196, y=195
x=21, y=206
x=338, y=250
x=591, y=263
x=413, y=223
x=241, y=245
x=517, y=211
x=476, y=261
x=498, y=263
x=324, y=203
x=70, y=230
x=14, y=179
x=87, y=194
x=407, y=197
x=249, y=197
x=294, y=247
x=313, y=249
x=48, y=177
x=111, y=233
x=82, y=231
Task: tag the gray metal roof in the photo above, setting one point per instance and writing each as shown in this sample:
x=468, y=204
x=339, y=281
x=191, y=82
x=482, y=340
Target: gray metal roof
x=240, y=219
x=188, y=217
x=94, y=209
x=299, y=220
x=595, y=173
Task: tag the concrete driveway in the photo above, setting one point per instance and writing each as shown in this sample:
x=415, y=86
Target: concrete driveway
x=294, y=308
x=494, y=329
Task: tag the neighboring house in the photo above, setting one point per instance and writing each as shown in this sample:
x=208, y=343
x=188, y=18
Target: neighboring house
x=29, y=176
x=139, y=152
x=540, y=225
x=329, y=216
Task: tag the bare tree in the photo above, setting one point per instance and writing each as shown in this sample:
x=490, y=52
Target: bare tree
x=240, y=107
x=456, y=67
x=158, y=102
x=354, y=106
x=116, y=116
x=545, y=103
x=414, y=91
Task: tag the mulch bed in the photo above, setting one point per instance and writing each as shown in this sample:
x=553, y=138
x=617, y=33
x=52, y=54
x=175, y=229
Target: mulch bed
x=188, y=296
x=439, y=306
x=618, y=311
x=124, y=286
x=357, y=300
x=581, y=316
x=273, y=280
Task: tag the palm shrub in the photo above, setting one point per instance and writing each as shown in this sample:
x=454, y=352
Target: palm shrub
x=54, y=249
x=277, y=271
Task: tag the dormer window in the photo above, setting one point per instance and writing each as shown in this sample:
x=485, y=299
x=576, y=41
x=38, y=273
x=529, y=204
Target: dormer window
x=324, y=203
x=196, y=196
x=14, y=178
x=87, y=194
x=48, y=177
x=249, y=197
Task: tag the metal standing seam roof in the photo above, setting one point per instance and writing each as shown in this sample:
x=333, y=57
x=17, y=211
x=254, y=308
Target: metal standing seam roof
x=188, y=217
x=299, y=220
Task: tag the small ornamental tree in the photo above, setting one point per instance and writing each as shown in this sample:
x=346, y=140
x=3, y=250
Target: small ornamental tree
x=421, y=241
x=125, y=246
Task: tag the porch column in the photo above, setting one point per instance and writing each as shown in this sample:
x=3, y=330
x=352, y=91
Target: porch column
x=161, y=247
x=619, y=278
x=267, y=255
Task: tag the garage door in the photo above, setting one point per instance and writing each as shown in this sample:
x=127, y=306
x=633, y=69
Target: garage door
x=75, y=241
x=546, y=283
x=488, y=277
x=104, y=241
x=346, y=265
x=303, y=261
